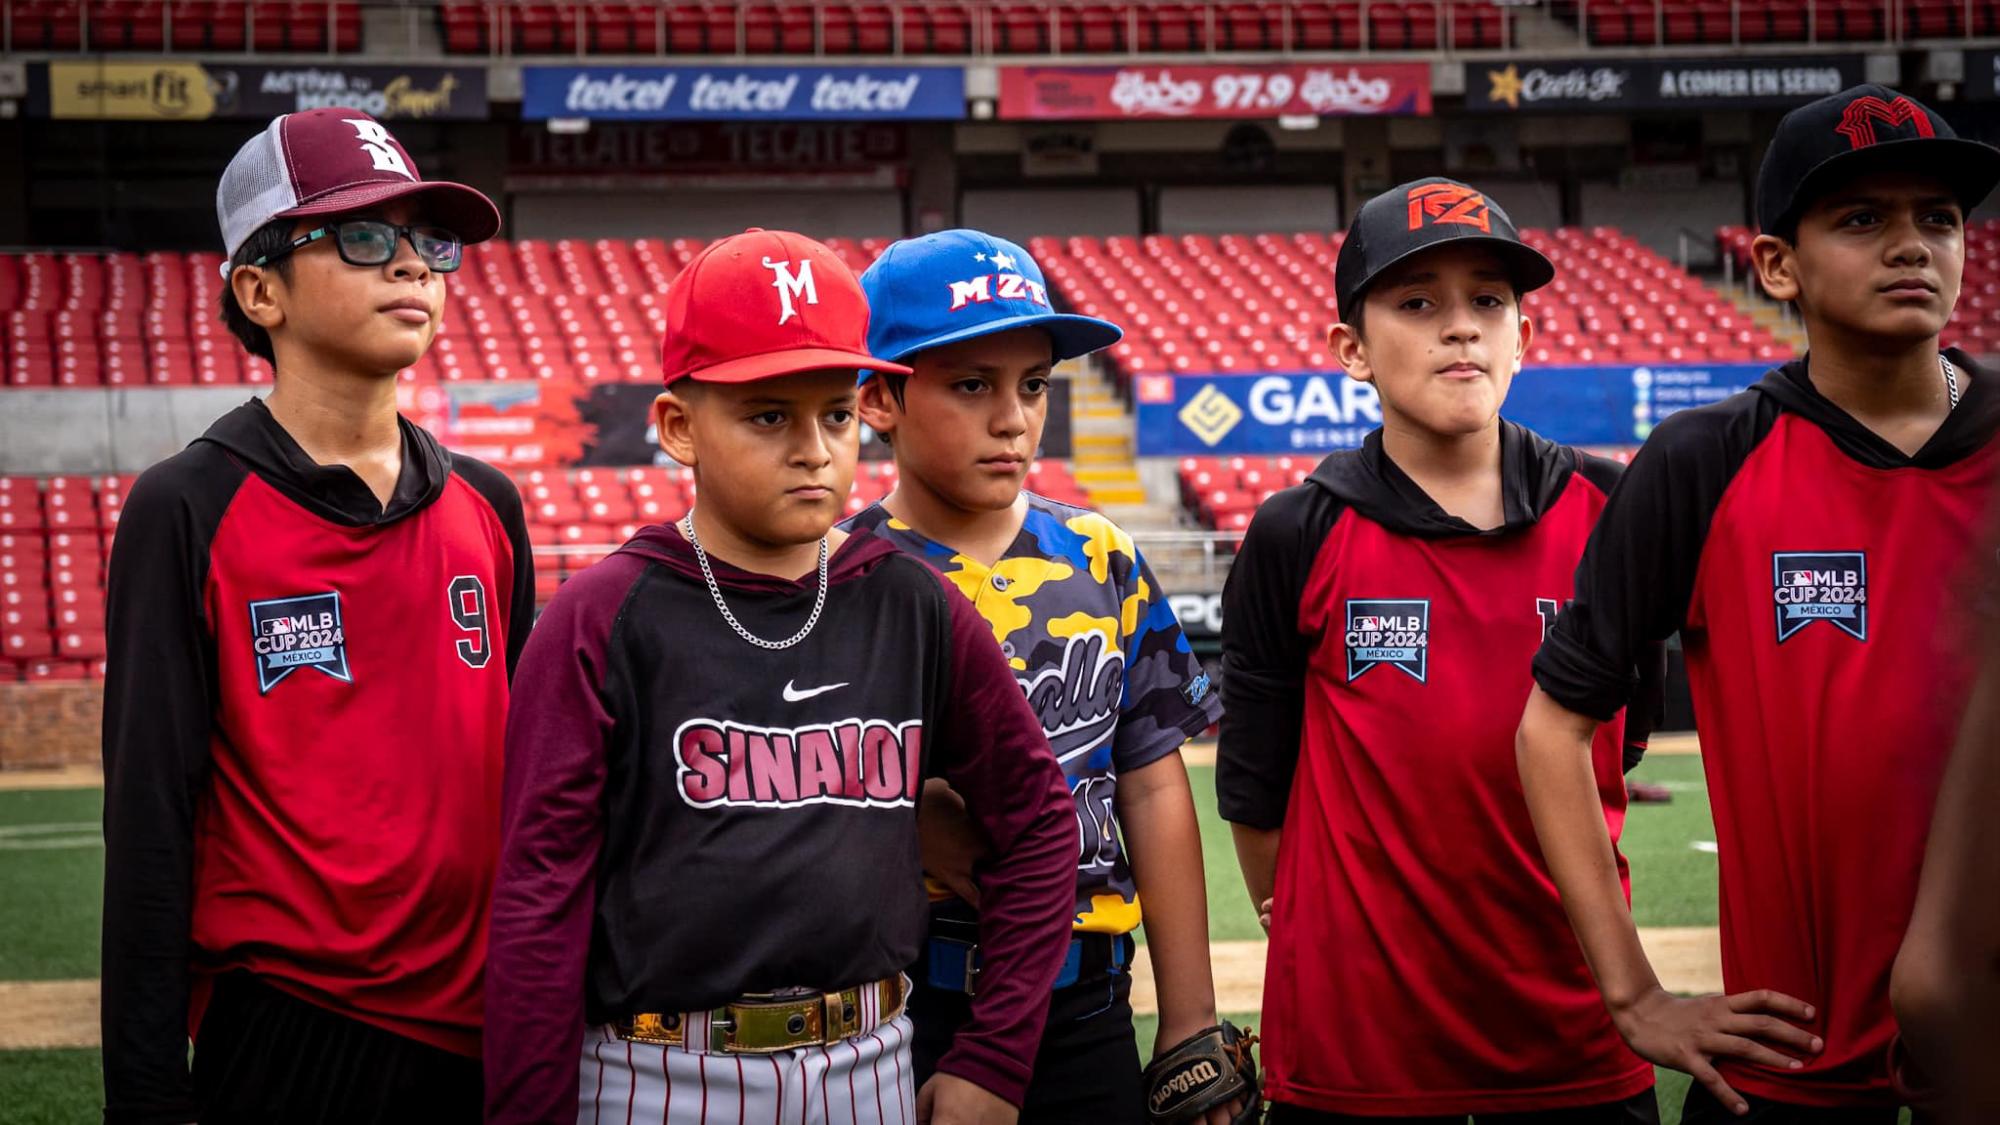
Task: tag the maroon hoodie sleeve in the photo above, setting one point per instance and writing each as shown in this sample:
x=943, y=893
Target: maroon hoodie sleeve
x=994, y=753
x=551, y=828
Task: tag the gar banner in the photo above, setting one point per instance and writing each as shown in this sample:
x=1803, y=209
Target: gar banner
x=1181, y=415
x=1719, y=82
x=743, y=93
x=169, y=90
x=1042, y=93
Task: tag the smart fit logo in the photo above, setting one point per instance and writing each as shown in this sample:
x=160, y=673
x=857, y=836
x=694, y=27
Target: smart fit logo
x=1210, y=415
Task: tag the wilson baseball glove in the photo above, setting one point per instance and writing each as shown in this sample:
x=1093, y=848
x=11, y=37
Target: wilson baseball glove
x=1210, y=1068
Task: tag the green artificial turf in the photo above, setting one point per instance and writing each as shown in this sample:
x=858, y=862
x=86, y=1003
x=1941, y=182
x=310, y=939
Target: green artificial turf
x=52, y=879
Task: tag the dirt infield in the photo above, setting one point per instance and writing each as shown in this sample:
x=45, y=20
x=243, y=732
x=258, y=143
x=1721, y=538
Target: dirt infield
x=1202, y=751
x=63, y=1013
x=62, y=777
x=48, y=1013
x=1688, y=959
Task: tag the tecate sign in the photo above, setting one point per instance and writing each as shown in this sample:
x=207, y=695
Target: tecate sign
x=771, y=93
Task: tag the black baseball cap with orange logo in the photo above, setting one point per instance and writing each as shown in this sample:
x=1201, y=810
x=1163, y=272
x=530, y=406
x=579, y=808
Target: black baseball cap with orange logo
x=1419, y=216
x=1860, y=130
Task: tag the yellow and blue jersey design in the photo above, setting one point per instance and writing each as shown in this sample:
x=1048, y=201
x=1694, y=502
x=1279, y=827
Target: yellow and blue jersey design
x=1102, y=659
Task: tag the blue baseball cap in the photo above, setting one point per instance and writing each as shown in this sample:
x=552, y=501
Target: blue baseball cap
x=962, y=284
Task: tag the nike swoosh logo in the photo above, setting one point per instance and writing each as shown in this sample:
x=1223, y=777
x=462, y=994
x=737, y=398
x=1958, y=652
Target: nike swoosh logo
x=793, y=695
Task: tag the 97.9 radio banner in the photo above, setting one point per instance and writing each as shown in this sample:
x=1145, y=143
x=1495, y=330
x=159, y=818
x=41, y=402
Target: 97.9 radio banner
x=1043, y=93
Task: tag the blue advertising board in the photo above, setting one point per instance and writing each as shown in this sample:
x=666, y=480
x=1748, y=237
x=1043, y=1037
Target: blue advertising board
x=1179, y=415
x=744, y=93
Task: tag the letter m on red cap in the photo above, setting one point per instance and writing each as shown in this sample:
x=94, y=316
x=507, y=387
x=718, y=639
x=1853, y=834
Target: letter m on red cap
x=1863, y=114
x=1448, y=203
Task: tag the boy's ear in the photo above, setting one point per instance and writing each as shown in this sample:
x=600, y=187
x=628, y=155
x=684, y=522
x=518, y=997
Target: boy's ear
x=1776, y=263
x=256, y=291
x=1527, y=337
x=673, y=420
x=1350, y=352
x=878, y=407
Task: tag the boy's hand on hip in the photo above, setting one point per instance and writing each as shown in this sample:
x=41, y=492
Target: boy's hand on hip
x=950, y=1100
x=948, y=842
x=1264, y=915
x=1688, y=1033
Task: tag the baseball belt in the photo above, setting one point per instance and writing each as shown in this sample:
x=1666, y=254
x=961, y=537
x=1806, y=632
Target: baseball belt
x=765, y=1024
x=954, y=963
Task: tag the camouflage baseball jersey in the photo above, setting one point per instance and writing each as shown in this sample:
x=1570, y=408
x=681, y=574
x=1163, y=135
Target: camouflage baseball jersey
x=1102, y=659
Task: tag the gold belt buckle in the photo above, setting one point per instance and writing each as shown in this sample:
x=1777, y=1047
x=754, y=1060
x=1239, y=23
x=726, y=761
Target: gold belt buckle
x=843, y=1015
x=659, y=1029
x=768, y=1027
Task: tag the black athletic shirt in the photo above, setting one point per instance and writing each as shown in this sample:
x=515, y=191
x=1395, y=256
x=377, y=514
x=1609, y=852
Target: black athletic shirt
x=1820, y=580
x=304, y=710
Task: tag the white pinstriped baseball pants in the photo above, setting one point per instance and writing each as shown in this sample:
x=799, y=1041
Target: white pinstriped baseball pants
x=866, y=1080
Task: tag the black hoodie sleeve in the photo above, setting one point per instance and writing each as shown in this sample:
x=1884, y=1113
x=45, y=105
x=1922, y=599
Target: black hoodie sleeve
x=1638, y=570
x=159, y=704
x=1264, y=654
x=1648, y=706
x=500, y=492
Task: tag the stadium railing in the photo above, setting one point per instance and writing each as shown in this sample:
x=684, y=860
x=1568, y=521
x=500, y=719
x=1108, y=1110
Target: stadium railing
x=943, y=28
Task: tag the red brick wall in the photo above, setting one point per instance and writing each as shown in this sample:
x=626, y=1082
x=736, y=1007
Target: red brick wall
x=50, y=724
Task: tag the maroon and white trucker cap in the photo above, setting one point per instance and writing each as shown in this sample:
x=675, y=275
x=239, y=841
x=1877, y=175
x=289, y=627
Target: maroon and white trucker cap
x=332, y=161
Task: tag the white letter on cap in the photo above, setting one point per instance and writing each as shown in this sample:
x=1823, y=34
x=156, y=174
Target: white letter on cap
x=377, y=143
x=789, y=285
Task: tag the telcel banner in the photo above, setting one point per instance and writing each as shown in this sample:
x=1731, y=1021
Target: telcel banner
x=736, y=93
x=1042, y=93
x=1181, y=415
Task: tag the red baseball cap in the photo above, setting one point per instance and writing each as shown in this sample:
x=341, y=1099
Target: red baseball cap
x=331, y=161
x=762, y=304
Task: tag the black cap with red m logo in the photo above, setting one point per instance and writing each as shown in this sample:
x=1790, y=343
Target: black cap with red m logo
x=1860, y=130
x=1423, y=214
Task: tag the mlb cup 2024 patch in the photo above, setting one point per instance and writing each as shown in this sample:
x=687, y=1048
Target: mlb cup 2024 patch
x=1392, y=631
x=1829, y=586
x=288, y=634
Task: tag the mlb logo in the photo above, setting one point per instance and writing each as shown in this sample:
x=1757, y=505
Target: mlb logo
x=1808, y=587
x=287, y=634
x=1392, y=631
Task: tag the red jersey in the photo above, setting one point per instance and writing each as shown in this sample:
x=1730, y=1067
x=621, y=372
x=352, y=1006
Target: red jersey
x=305, y=706
x=1376, y=654
x=1814, y=572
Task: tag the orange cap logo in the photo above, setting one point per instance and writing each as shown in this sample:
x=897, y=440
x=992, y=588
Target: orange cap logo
x=1448, y=203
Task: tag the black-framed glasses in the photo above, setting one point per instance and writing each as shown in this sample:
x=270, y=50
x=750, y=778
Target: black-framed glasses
x=372, y=242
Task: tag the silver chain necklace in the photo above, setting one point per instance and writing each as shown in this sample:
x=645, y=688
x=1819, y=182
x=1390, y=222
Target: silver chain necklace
x=1950, y=380
x=715, y=591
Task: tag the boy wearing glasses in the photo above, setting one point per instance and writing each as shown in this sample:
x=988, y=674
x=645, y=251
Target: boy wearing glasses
x=313, y=612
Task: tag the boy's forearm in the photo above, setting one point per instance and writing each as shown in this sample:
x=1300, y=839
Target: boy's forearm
x=1553, y=751
x=1257, y=856
x=1156, y=809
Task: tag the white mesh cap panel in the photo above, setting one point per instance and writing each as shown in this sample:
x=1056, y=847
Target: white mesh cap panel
x=255, y=187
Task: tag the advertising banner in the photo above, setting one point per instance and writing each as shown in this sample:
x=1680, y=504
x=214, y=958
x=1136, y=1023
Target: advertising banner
x=532, y=423
x=1252, y=90
x=177, y=90
x=1317, y=412
x=631, y=154
x=1718, y=82
x=1982, y=75
x=743, y=93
